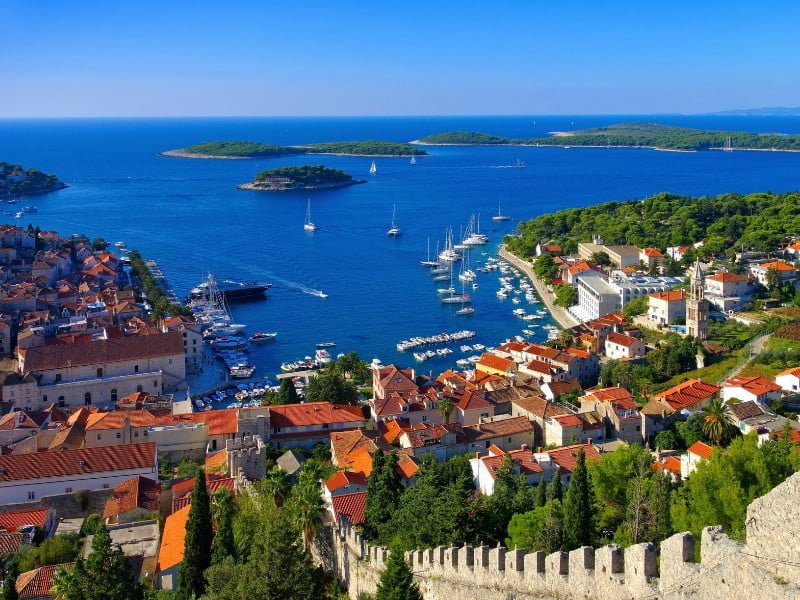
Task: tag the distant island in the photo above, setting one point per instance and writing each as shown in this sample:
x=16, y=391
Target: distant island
x=304, y=177
x=246, y=150
x=769, y=111
x=630, y=135
x=16, y=181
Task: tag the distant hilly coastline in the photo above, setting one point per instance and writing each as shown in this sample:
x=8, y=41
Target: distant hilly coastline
x=239, y=150
x=629, y=135
x=774, y=111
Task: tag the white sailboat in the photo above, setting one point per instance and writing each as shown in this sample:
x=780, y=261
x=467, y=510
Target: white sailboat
x=428, y=262
x=500, y=216
x=373, y=169
x=728, y=147
x=308, y=225
x=394, y=230
x=413, y=160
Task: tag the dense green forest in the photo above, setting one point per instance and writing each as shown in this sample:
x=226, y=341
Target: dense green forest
x=467, y=138
x=15, y=180
x=365, y=148
x=307, y=175
x=725, y=222
x=241, y=149
x=633, y=134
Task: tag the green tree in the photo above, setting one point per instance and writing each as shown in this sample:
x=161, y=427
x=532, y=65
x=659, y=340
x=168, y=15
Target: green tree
x=544, y=268
x=541, y=492
x=330, y=386
x=601, y=258
x=104, y=575
x=384, y=489
x=446, y=407
x=54, y=551
x=223, y=544
x=773, y=279
x=666, y=440
x=199, y=537
x=276, y=485
x=538, y=530
x=397, y=581
x=716, y=421
x=659, y=498
x=579, y=507
x=566, y=295
x=555, y=491
x=10, y=573
x=635, y=307
x=287, y=394
x=92, y=524
x=610, y=481
x=350, y=366
x=305, y=504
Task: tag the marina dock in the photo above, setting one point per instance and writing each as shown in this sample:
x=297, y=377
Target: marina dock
x=161, y=280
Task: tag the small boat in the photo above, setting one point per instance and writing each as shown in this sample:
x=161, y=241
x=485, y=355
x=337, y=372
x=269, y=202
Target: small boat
x=394, y=230
x=518, y=164
x=242, y=371
x=373, y=169
x=308, y=225
x=413, y=161
x=326, y=345
x=322, y=357
x=428, y=262
x=500, y=216
x=445, y=291
x=260, y=336
x=467, y=310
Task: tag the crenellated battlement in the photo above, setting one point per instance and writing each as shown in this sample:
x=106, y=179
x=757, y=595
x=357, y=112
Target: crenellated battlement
x=727, y=569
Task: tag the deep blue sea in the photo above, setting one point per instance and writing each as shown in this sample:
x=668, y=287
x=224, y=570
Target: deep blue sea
x=189, y=216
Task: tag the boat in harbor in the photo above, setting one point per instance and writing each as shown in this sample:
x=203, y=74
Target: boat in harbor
x=450, y=253
x=428, y=262
x=242, y=371
x=500, y=216
x=230, y=290
x=394, y=230
x=309, y=225
x=326, y=345
x=260, y=336
x=467, y=310
x=413, y=161
x=373, y=169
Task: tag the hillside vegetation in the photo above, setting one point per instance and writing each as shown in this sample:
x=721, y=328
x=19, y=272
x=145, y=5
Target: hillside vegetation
x=633, y=134
x=756, y=221
x=307, y=175
x=15, y=180
x=366, y=148
x=241, y=149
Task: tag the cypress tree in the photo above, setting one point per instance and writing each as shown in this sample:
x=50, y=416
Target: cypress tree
x=397, y=582
x=223, y=544
x=541, y=492
x=197, y=545
x=384, y=489
x=9, y=591
x=555, y=491
x=287, y=394
x=579, y=507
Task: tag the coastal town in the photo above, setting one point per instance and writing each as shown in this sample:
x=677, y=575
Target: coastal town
x=99, y=426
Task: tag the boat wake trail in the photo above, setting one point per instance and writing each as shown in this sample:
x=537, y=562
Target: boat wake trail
x=297, y=287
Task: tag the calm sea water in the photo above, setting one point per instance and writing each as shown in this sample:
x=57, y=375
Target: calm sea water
x=189, y=216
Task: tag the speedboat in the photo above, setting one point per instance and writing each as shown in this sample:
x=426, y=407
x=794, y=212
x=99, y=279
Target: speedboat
x=260, y=336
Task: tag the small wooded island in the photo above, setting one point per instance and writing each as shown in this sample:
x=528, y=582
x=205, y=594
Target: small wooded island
x=242, y=150
x=303, y=177
x=16, y=181
x=630, y=135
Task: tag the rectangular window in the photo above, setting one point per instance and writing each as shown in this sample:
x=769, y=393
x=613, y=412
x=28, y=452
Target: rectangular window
x=119, y=435
x=58, y=377
x=99, y=436
x=31, y=495
x=105, y=486
x=68, y=490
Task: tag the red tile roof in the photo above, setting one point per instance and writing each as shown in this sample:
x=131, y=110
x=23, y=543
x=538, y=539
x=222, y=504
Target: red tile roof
x=84, y=461
x=652, y=252
x=670, y=296
x=726, y=277
x=312, y=413
x=778, y=265
x=407, y=466
x=172, y=540
x=568, y=420
x=10, y=543
x=688, y=393
x=670, y=463
x=350, y=506
x=609, y=394
x=473, y=401
x=701, y=449
x=39, y=582
x=522, y=459
x=137, y=492
x=622, y=340
x=492, y=361
x=11, y=520
x=342, y=479
x=498, y=428
x=566, y=457
x=795, y=371
x=59, y=356
x=755, y=385
x=182, y=492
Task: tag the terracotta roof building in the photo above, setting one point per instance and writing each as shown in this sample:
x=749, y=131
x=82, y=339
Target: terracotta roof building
x=38, y=583
x=170, y=554
x=132, y=500
x=304, y=425
x=349, y=507
x=757, y=389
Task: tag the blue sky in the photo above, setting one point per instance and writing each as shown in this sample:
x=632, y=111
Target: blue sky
x=410, y=57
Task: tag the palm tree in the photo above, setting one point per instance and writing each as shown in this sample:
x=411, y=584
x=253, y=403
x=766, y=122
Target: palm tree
x=716, y=420
x=446, y=407
x=276, y=485
x=306, y=509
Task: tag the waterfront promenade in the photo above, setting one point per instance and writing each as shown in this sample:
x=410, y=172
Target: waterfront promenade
x=561, y=316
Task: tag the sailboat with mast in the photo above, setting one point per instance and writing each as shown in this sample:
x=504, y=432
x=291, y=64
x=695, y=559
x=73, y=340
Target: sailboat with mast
x=394, y=230
x=500, y=216
x=309, y=225
x=428, y=262
x=373, y=169
x=413, y=160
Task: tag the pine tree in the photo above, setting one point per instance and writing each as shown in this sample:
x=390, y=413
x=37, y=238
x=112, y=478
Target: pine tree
x=541, y=492
x=197, y=545
x=579, y=507
x=223, y=544
x=384, y=489
x=397, y=581
x=555, y=491
x=287, y=394
x=9, y=590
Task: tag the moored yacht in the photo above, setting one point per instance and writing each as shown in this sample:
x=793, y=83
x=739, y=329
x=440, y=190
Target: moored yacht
x=309, y=225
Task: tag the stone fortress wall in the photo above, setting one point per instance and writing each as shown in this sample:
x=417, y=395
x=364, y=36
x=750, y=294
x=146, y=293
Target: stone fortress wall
x=767, y=566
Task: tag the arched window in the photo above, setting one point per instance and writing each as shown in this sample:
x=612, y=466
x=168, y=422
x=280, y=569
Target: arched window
x=87, y=398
